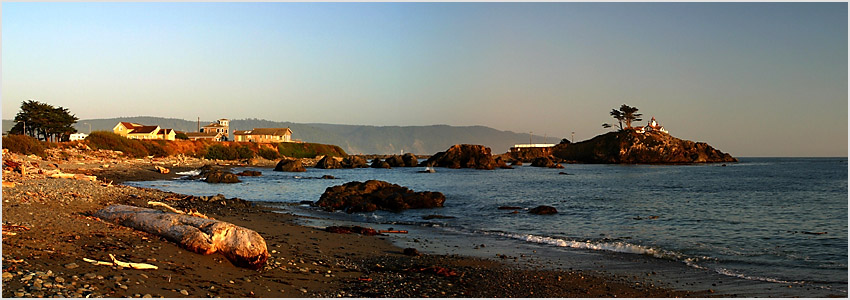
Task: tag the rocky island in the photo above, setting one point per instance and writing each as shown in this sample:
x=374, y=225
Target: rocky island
x=631, y=146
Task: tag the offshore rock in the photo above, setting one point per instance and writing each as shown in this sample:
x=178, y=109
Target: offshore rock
x=328, y=162
x=379, y=164
x=395, y=161
x=543, y=210
x=630, y=147
x=289, y=165
x=354, y=161
x=374, y=195
x=410, y=160
x=214, y=174
x=463, y=156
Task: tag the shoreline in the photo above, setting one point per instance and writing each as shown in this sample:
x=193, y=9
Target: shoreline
x=45, y=259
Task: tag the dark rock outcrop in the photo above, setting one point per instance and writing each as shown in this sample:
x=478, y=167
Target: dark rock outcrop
x=630, y=147
x=354, y=161
x=546, y=162
x=215, y=174
x=543, y=210
x=501, y=163
x=249, y=173
x=328, y=162
x=373, y=195
x=406, y=160
x=289, y=165
x=410, y=160
x=463, y=156
x=379, y=164
x=395, y=161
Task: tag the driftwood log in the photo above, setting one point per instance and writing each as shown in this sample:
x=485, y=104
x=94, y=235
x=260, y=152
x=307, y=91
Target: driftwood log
x=242, y=246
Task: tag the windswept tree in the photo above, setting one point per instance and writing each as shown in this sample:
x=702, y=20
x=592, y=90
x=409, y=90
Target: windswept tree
x=626, y=114
x=44, y=122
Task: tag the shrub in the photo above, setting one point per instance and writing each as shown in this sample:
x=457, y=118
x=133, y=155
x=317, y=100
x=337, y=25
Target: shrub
x=155, y=148
x=23, y=144
x=268, y=153
x=222, y=152
x=181, y=136
x=309, y=150
x=244, y=152
x=111, y=141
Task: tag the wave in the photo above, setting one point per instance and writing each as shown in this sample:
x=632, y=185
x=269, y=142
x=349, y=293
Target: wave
x=189, y=173
x=621, y=247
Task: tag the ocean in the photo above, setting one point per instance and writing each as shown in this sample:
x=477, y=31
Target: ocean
x=759, y=227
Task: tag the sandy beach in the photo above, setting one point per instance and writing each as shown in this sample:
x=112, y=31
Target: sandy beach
x=48, y=230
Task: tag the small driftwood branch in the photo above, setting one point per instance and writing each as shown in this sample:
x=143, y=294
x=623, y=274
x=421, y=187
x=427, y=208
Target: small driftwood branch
x=242, y=246
x=74, y=176
x=392, y=231
x=116, y=262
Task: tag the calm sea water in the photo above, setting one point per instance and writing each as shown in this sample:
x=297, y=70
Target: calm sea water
x=755, y=220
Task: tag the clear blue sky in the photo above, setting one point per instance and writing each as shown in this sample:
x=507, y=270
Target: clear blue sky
x=752, y=79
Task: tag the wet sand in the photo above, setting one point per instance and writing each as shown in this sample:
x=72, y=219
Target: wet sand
x=48, y=230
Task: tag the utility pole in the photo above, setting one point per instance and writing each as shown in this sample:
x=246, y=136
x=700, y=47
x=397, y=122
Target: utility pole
x=573, y=137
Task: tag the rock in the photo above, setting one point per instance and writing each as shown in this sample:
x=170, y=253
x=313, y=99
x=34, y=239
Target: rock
x=411, y=252
x=328, y=162
x=162, y=170
x=214, y=174
x=410, y=160
x=509, y=207
x=630, y=147
x=184, y=292
x=289, y=165
x=354, y=161
x=221, y=176
x=395, y=161
x=543, y=210
x=373, y=195
x=249, y=173
x=328, y=177
x=71, y=266
x=543, y=162
x=463, y=156
x=7, y=276
x=501, y=163
x=378, y=164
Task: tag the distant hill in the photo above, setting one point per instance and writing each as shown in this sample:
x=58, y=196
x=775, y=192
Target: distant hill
x=354, y=139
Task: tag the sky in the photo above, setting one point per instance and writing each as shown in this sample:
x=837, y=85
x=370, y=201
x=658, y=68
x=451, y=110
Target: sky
x=751, y=79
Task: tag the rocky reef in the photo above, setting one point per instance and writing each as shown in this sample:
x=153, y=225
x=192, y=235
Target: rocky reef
x=373, y=195
x=631, y=147
x=464, y=156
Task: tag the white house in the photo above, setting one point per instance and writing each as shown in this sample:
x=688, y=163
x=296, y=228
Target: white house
x=79, y=136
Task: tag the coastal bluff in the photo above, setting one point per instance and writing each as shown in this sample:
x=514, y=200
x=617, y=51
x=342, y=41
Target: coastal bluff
x=631, y=147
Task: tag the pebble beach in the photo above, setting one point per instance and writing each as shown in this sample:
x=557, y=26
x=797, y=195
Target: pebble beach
x=48, y=231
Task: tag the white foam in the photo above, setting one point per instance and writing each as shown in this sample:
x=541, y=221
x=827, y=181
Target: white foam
x=189, y=173
x=621, y=247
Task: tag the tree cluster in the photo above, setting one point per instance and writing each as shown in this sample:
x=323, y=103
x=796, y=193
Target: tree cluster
x=625, y=114
x=44, y=122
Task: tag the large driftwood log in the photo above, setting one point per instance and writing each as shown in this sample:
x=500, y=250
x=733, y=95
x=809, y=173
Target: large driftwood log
x=242, y=246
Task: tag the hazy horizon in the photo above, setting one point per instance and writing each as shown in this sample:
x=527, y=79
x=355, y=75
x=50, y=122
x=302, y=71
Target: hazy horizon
x=751, y=79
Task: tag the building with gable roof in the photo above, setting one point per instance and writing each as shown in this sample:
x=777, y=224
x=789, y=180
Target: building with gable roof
x=144, y=132
x=264, y=135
